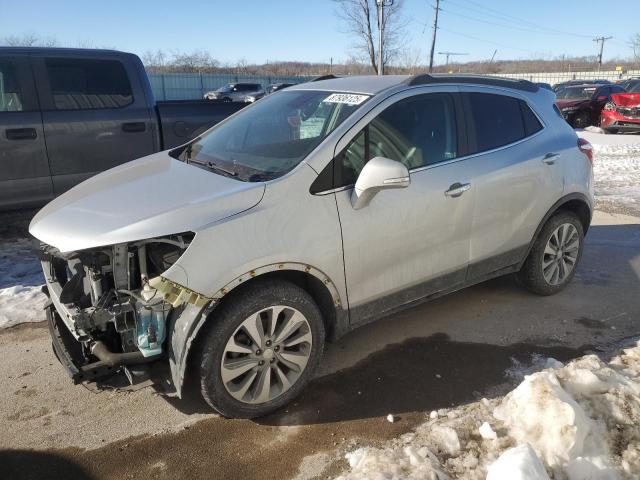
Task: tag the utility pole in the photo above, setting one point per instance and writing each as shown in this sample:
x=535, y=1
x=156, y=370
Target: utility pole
x=448, y=54
x=601, y=41
x=381, y=4
x=433, y=41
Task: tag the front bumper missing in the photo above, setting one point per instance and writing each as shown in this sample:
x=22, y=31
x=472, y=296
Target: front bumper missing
x=69, y=352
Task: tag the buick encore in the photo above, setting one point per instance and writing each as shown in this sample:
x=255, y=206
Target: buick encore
x=314, y=211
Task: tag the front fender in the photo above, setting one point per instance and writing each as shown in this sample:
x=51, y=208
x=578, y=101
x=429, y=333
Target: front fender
x=186, y=322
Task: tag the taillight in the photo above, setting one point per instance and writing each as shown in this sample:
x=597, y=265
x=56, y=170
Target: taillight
x=586, y=148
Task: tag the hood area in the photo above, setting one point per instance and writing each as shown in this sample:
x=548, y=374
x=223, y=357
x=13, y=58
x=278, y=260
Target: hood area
x=149, y=197
x=570, y=103
x=626, y=99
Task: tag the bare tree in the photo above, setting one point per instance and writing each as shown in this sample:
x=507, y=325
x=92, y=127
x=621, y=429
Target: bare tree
x=361, y=20
x=28, y=40
x=196, y=61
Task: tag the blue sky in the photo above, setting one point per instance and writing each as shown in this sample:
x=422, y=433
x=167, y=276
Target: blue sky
x=310, y=30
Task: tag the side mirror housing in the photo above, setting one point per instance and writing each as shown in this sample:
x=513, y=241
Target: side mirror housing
x=379, y=173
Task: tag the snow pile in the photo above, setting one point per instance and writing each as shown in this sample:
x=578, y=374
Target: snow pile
x=20, y=280
x=576, y=422
x=616, y=168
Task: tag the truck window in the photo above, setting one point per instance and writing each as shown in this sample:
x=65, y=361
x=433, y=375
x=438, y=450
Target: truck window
x=78, y=84
x=10, y=93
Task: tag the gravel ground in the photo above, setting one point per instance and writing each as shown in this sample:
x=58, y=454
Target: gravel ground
x=445, y=353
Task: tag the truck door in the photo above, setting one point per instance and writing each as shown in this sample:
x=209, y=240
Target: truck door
x=24, y=170
x=95, y=115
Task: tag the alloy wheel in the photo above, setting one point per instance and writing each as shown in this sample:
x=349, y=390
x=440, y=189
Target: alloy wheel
x=266, y=354
x=560, y=254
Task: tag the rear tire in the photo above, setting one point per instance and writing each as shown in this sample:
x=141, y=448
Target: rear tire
x=554, y=257
x=276, y=330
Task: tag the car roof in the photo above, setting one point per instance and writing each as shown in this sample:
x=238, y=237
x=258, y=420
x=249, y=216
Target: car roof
x=58, y=50
x=374, y=84
x=366, y=84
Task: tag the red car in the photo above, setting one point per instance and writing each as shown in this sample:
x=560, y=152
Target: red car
x=622, y=112
x=581, y=104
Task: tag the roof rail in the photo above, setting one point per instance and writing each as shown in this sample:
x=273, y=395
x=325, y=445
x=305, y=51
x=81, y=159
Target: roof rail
x=323, y=77
x=428, y=78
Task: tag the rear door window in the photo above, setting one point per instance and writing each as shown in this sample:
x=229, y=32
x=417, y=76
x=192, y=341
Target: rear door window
x=78, y=84
x=10, y=92
x=497, y=120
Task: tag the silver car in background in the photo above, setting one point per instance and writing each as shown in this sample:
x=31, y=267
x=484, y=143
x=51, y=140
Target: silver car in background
x=237, y=92
x=319, y=209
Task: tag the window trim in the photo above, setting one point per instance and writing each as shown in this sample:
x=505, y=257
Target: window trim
x=48, y=91
x=460, y=105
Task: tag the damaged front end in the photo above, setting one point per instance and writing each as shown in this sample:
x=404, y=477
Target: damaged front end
x=110, y=307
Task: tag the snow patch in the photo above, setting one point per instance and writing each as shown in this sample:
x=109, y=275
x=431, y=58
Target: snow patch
x=519, y=463
x=580, y=421
x=20, y=279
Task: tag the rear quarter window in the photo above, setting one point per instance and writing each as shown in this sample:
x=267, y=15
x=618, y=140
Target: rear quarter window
x=499, y=120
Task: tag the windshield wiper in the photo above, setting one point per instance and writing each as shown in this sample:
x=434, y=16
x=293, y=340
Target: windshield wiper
x=215, y=166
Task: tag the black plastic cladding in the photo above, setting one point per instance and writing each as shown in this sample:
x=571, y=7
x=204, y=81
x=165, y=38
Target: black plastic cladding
x=426, y=78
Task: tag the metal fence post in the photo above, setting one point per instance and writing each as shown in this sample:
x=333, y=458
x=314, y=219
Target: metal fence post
x=164, y=88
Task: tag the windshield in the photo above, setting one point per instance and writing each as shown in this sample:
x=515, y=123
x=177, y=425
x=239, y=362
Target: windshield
x=634, y=88
x=274, y=135
x=575, y=93
x=226, y=89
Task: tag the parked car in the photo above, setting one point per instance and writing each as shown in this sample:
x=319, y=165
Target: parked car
x=231, y=257
x=570, y=83
x=622, y=112
x=544, y=85
x=629, y=83
x=67, y=114
x=581, y=105
x=237, y=92
x=274, y=87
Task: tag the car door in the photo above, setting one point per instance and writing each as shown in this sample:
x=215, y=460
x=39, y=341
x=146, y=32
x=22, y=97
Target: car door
x=517, y=177
x=24, y=169
x=95, y=115
x=412, y=242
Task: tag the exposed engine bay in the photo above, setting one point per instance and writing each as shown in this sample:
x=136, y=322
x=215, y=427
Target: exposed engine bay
x=110, y=306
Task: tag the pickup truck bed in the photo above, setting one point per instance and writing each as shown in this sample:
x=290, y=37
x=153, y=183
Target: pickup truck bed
x=67, y=114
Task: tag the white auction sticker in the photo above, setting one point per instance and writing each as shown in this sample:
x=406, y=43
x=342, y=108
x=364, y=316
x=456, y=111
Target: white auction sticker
x=348, y=98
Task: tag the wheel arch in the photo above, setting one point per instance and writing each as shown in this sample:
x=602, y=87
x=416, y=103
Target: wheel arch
x=577, y=203
x=184, y=336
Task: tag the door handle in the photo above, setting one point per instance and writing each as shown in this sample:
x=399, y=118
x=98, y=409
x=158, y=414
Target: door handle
x=20, y=133
x=457, y=189
x=550, y=158
x=132, y=127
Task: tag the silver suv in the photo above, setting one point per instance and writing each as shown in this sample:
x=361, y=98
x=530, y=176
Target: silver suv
x=322, y=207
x=237, y=92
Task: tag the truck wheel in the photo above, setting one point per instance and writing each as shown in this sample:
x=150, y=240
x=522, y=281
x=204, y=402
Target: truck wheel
x=261, y=349
x=556, y=252
x=581, y=120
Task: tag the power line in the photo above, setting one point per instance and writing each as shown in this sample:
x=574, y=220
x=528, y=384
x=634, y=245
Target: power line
x=502, y=25
x=470, y=37
x=483, y=9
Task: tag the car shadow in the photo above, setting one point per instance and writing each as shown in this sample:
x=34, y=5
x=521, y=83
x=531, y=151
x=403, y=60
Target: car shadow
x=417, y=375
x=35, y=465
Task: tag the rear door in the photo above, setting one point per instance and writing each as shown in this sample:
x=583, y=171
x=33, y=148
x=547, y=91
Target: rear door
x=95, y=115
x=24, y=170
x=517, y=177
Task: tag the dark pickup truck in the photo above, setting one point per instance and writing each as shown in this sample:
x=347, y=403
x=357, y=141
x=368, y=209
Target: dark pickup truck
x=67, y=114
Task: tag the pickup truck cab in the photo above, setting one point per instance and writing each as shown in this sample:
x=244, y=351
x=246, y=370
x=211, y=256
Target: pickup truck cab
x=67, y=114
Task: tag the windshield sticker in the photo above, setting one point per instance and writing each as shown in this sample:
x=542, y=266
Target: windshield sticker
x=347, y=98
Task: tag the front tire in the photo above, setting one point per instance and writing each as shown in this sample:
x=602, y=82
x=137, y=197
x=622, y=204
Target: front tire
x=581, y=120
x=552, y=261
x=261, y=349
